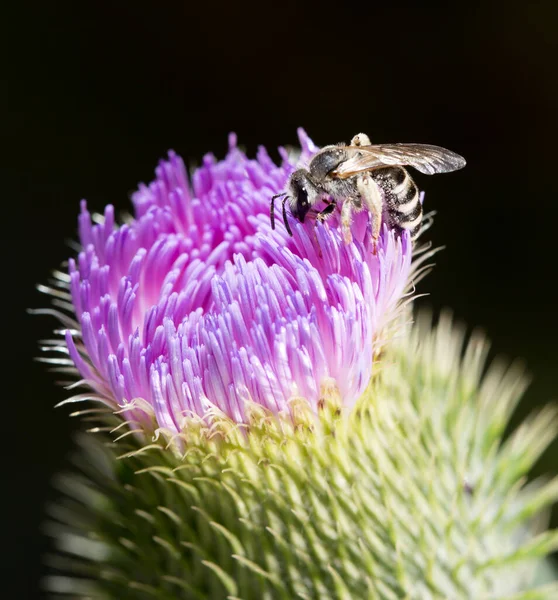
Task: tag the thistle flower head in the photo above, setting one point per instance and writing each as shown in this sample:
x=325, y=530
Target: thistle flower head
x=196, y=304
x=196, y=308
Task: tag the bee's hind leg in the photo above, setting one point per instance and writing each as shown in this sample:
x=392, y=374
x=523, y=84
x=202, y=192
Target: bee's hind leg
x=360, y=139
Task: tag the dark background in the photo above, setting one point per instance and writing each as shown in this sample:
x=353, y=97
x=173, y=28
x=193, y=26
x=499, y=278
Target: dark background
x=95, y=92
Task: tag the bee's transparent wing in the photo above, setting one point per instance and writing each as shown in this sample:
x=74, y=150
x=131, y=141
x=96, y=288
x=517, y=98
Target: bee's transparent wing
x=424, y=158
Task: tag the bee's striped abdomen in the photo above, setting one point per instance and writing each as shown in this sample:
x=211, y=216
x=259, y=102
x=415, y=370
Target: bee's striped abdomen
x=402, y=207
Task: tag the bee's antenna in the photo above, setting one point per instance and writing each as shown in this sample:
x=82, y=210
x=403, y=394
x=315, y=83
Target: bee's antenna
x=285, y=216
x=272, y=209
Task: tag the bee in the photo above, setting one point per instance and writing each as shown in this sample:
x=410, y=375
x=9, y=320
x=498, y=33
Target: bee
x=363, y=176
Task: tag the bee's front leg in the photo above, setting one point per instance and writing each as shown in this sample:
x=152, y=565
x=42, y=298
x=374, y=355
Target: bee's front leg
x=321, y=217
x=326, y=212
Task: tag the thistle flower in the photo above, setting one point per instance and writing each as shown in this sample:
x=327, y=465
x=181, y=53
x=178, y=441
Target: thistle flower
x=194, y=318
x=196, y=305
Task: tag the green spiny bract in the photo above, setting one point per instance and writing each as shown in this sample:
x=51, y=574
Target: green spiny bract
x=415, y=494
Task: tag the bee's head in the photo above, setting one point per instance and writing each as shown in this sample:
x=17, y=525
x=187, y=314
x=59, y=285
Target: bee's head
x=301, y=192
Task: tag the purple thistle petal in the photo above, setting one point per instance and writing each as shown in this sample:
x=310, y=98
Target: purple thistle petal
x=197, y=304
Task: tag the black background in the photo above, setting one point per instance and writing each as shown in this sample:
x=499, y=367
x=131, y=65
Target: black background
x=96, y=92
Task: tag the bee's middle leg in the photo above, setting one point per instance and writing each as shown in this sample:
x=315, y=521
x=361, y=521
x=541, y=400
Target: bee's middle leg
x=346, y=220
x=372, y=198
